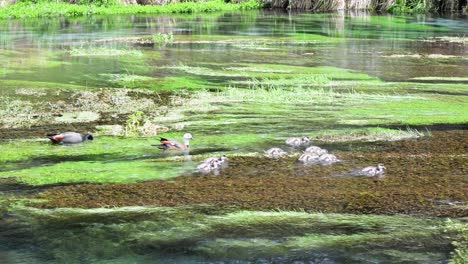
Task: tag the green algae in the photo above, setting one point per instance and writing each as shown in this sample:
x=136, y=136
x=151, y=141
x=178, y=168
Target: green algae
x=98, y=172
x=110, y=159
x=241, y=235
x=104, y=52
x=430, y=110
x=168, y=84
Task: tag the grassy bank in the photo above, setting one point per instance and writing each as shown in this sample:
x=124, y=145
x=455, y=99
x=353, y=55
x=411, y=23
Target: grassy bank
x=54, y=9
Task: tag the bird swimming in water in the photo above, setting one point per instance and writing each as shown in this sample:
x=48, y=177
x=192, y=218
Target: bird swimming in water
x=327, y=159
x=316, y=150
x=221, y=161
x=207, y=167
x=372, y=171
x=298, y=142
x=167, y=144
x=275, y=153
x=69, y=138
x=309, y=158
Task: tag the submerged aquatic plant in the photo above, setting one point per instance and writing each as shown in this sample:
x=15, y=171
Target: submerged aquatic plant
x=162, y=39
x=219, y=236
x=139, y=124
x=104, y=52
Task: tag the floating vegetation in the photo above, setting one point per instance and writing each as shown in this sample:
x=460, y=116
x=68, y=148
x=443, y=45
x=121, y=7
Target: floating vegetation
x=451, y=39
x=139, y=124
x=162, y=39
x=368, y=134
x=104, y=52
x=435, y=78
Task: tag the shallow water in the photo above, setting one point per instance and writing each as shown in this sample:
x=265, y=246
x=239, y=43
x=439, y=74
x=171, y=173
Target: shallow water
x=366, y=71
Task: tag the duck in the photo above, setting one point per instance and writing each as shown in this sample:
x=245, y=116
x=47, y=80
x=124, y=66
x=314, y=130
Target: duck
x=167, y=144
x=372, y=171
x=316, y=150
x=296, y=142
x=207, y=167
x=69, y=138
x=221, y=161
x=308, y=158
x=275, y=153
x=328, y=158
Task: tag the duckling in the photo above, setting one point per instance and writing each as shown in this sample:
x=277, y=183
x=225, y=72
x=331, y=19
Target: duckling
x=372, y=171
x=328, y=158
x=207, y=167
x=69, y=138
x=168, y=144
x=308, y=158
x=221, y=161
x=275, y=153
x=316, y=150
x=298, y=142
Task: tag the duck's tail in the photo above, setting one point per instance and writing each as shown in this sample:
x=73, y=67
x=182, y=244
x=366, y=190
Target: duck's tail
x=51, y=136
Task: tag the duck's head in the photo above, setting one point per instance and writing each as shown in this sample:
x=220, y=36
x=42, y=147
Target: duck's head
x=381, y=167
x=88, y=136
x=187, y=136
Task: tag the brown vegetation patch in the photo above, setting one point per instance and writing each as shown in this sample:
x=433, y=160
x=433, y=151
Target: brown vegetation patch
x=425, y=176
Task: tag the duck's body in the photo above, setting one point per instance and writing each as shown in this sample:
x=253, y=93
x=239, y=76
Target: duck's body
x=298, y=142
x=308, y=158
x=316, y=150
x=207, y=167
x=69, y=138
x=372, y=171
x=168, y=144
x=328, y=158
x=275, y=153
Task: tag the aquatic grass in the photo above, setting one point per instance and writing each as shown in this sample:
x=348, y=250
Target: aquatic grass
x=240, y=235
x=460, y=254
x=162, y=39
x=273, y=72
x=431, y=110
x=52, y=9
x=97, y=172
x=104, y=52
x=368, y=134
x=435, y=78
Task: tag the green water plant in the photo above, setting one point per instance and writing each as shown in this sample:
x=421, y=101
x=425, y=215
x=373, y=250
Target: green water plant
x=57, y=9
x=236, y=235
x=162, y=39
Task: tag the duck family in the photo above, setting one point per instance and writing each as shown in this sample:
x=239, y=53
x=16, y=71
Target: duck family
x=312, y=155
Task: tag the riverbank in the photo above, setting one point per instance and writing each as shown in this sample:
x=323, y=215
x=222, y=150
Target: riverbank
x=55, y=9
x=90, y=8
